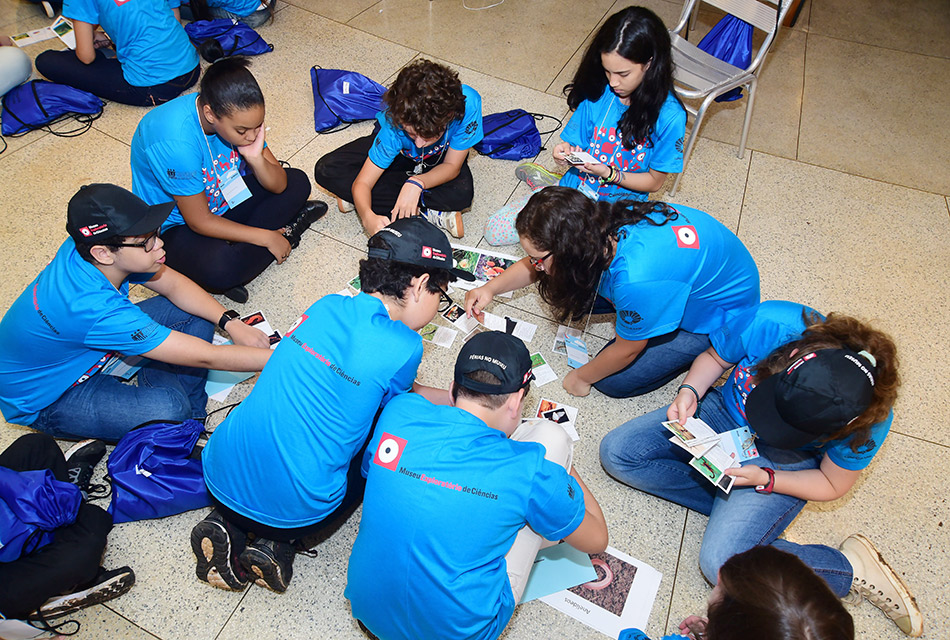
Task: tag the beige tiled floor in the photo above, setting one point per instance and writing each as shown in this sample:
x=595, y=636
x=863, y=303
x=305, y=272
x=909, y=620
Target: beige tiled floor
x=842, y=199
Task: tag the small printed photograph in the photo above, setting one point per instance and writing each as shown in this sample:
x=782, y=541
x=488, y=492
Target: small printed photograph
x=354, y=284
x=454, y=313
x=707, y=468
x=537, y=360
x=491, y=266
x=612, y=586
x=465, y=260
x=725, y=483
x=62, y=28
x=428, y=332
x=273, y=338
x=679, y=431
x=253, y=319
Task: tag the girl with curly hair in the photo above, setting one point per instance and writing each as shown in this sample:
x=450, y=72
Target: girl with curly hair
x=416, y=159
x=818, y=393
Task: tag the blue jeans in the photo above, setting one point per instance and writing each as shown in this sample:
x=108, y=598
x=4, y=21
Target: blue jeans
x=106, y=408
x=640, y=454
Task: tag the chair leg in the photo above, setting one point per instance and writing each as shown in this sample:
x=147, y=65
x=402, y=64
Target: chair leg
x=748, y=116
x=693, y=134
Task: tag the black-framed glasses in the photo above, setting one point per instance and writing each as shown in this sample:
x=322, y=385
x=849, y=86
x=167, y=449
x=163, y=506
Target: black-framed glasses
x=538, y=263
x=148, y=244
x=444, y=301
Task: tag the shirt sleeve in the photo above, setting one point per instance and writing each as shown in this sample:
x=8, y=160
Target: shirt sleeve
x=387, y=144
x=82, y=10
x=668, y=138
x=469, y=131
x=126, y=329
x=177, y=168
x=648, y=309
x=840, y=450
x=580, y=128
x=556, y=503
x=730, y=339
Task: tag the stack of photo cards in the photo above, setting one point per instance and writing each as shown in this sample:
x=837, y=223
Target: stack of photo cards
x=620, y=598
x=570, y=342
x=543, y=373
x=442, y=336
x=561, y=414
x=713, y=452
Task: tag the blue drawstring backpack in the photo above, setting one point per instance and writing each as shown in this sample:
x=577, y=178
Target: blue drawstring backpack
x=39, y=103
x=341, y=98
x=730, y=40
x=235, y=38
x=32, y=505
x=512, y=135
x=153, y=475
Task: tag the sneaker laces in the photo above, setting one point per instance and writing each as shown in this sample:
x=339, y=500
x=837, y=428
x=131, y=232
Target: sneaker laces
x=38, y=621
x=98, y=491
x=876, y=596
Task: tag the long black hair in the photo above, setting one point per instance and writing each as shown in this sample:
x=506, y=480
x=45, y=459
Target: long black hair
x=637, y=34
x=228, y=86
x=577, y=231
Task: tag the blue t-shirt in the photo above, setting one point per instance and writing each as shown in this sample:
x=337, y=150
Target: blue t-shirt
x=58, y=331
x=752, y=335
x=172, y=156
x=282, y=455
x=593, y=127
x=445, y=497
x=691, y=273
x=237, y=7
x=460, y=135
x=150, y=43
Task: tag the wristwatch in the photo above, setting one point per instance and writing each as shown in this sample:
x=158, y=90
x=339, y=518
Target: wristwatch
x=767, y=488
x=227, y=317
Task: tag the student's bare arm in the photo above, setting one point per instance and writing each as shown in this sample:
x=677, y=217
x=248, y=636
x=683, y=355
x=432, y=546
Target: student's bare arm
x=591, y=535
x=183, y=349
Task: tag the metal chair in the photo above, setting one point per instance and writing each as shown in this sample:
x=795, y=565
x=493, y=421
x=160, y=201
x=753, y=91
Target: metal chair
x=698, y=74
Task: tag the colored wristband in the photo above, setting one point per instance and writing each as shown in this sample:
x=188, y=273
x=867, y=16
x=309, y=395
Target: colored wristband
x=767, y=488
x=699, y=400
x=417, y=183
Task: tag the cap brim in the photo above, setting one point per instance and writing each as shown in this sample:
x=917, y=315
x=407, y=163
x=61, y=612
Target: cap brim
x=157, y=214
x=462, y=275
x=767, y=423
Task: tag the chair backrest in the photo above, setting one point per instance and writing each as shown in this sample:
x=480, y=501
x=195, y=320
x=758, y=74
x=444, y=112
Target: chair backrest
x=764, y=15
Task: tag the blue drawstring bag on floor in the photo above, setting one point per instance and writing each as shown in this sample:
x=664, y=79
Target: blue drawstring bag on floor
x=32, y=505
x=39, y=103
x=512, y=135
x=341, y=98
x=235, y=38
x=153, y=475
x=730, y=40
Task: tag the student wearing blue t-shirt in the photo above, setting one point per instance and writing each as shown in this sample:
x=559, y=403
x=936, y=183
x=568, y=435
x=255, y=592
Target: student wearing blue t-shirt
x=457, y=499
x=626, y=115
x=416, y=159
x=818, y=394
x=76, y=314
x=253, y=13
x=236, y=209
x=154, y=59
x=285, y=463
x=671, y=274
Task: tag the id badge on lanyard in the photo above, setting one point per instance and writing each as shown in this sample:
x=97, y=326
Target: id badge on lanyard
x=233, y=187
x=592, y=191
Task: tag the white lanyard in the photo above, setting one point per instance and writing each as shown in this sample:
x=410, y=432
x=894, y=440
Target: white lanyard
x=232, y=186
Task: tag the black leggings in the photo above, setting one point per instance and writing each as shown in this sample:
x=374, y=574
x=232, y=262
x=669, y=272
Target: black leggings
x=218, y=265
x=103, y=77
x=337, y=170
x=72, y=559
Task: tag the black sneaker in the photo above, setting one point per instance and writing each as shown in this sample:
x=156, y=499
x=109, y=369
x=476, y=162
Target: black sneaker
x=217, y=544
x=81, y=461
x=236, y=294
x=308, y=214
x=106, y=586
x=271, y=561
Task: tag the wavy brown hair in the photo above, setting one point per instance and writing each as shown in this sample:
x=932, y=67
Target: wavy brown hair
x=769, y=593
x=839, y=331
x=578, y=231
x=426, y=97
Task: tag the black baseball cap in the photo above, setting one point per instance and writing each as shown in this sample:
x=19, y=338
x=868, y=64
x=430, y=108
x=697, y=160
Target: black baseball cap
x=99, y=212
x=416, y=241
x=813, y=398
x=500, y=354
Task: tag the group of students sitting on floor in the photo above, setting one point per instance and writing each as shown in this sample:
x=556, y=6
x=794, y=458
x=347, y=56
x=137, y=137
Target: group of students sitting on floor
x=458, y=493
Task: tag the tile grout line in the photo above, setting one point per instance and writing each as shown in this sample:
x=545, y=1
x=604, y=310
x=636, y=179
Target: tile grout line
x=877, y=46
x=918, y=438
x=676, y=570
x=745, y=189
x=105, y=605
x=801, y=107
x=233, y=611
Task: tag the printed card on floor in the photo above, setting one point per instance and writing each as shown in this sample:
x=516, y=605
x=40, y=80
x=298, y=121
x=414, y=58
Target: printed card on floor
x=620, y=598
x=562, y=332
x=474, y=332
x=520, y=329
x=442, y=336
x=345, y=292
x=258, y=320
x=561, y=414
x=694, y=432
x=354, y=284
x=30, y=37
x=456, y=315
x=63, y=29
x=576, y=351
x=713, y=465
x=481, y=264
x=543, y=373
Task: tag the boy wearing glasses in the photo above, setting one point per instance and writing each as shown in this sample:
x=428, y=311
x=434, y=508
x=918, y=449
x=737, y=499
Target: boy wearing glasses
x=76, y=314
x=444, y=548
x=285, y=463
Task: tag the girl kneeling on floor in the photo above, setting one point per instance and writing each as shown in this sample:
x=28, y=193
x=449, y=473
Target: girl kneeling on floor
x=817, y=392
x=626, y=115
x=237, y=209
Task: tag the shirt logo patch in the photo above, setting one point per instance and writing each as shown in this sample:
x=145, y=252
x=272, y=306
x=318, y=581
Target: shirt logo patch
x=296, y=324
x=138, y=335
x=570, y=491
x=629, y=317
x=426, y=252
x=686, y=237
x=471, y=126
x=389, y=451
